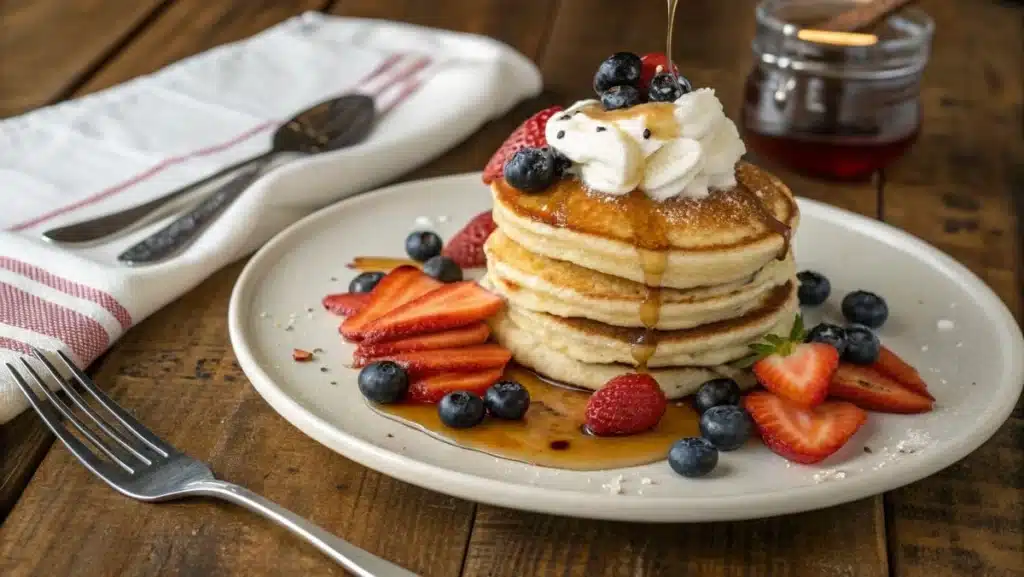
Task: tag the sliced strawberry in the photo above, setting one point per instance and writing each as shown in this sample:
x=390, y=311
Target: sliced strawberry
x=461, y=360
x=451, y=306
x=894, y=367
x=651, y=64
x=301, y=356
x=800, y=373
x=346, y=304
x=474, y=334
x=380, y=263
x=871, y=390
x=626, y=405
x=466, y=248
x=530, y=134
x=802, y=434
x=400, y=286
x=431, y=389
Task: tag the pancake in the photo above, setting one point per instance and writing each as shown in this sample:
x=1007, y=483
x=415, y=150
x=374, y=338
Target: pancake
x=679, y=243
x=538, y=283
x=535, y=354
x=707, y=345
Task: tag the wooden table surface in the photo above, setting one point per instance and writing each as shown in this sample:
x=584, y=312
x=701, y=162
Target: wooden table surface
x=961, y=188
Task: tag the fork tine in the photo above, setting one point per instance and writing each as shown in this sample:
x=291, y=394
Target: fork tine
x=54, y=422
x=129, y=422
x=80, y=402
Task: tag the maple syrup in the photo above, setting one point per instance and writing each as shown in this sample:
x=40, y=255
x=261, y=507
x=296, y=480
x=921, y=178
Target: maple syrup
x=551, y=434
x=380, y=263
x=833, y=110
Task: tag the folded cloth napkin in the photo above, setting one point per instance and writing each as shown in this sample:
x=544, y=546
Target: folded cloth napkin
x=122, y=146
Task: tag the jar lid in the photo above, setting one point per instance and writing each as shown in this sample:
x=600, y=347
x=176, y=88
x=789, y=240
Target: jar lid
x=902, y=46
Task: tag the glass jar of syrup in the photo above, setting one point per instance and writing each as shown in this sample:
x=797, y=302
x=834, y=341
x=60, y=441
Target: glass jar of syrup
x=840, y=107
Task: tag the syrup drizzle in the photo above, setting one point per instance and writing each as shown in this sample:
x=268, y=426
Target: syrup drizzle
x=551, y=434
x=774, y=224
x=651, y=239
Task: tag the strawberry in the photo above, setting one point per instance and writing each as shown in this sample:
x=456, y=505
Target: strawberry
x=628, y=404
x=400, y=286
x=874, y=391
x=432, y=362
x=798, y=371
x=453, y=305
x=890, y=365
x=530, y=134
x=649, y=66
x=346, y=304
x=474, y=334
x=801, y=434
x=466, y=248
x=301, y=356
x=431, y=389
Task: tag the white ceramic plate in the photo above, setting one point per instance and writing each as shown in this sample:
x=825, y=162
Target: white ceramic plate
x=943, y=320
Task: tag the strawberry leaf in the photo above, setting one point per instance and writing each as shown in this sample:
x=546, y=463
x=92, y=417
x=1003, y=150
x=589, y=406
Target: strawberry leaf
x=797, y=334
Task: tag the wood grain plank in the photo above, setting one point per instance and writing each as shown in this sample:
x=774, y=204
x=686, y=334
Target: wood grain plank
x=961, y=188
x=23, y=443
x=49, y=46
x=713, y=50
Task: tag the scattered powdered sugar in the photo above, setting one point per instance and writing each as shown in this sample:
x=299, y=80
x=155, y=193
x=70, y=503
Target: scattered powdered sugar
x=915, y=442
x=442, y=219
x=945, y=325
x=647, y=481
x=959, y=344
x=614, y=486
x=423, y=223
x=924, y=348
x=829, y=475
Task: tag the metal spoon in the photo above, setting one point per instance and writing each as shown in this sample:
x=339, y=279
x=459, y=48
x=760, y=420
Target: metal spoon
x=301, y=135
x=330, y=125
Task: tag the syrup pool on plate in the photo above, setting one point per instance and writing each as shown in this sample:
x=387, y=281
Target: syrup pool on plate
x=551, y=434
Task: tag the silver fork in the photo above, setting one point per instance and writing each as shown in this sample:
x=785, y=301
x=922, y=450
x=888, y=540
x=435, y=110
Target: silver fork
x=144, y=467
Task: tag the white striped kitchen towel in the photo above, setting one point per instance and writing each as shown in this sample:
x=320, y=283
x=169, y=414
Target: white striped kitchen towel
x=136, y=141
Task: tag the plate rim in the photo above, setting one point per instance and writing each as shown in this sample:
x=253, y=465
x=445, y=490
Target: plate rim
x=633, y=508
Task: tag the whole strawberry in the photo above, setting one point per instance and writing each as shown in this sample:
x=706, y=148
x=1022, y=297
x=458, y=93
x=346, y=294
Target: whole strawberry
x=466, y=248
x=530, y=134
x=626, y=405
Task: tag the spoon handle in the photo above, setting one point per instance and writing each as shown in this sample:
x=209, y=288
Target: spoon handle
x=109, y=225
x=184, y=230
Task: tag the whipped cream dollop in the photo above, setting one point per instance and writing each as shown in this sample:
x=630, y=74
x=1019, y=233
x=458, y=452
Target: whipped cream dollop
x=684, y=148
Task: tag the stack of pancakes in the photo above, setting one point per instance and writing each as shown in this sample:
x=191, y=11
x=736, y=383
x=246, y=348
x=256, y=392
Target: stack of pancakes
x=598, y=286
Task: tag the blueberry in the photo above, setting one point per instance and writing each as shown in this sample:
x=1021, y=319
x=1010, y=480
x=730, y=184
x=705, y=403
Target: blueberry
x=716, y=392
x=461, y=410
x=423, y=244
x=692, y=457
x=562, y=164
x=383, y=382
x=619, y=69
x=862, y=346
x=865, y=308
x=830, y=335
x=814, y=288
x=531, y=169
x=507, y=400
x=726, y=427
x=365, y=282
x=620, y=97
x=667, y=88
x=443, y=269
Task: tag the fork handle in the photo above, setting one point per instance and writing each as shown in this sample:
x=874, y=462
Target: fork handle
x=359, y=562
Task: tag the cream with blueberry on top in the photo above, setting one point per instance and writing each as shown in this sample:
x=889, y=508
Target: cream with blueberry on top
x=639, y=300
